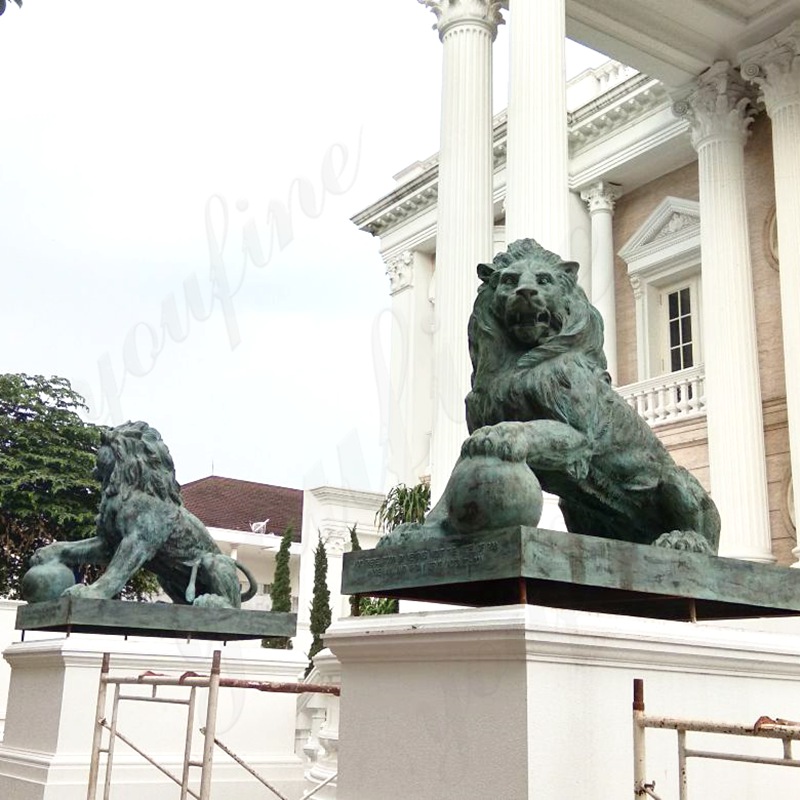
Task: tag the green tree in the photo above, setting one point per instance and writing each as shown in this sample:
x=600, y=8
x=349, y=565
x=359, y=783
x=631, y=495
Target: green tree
x=356, y=607
x=369, y=606
x=320, y=602
x=47, y=487
x=281, y=590
x=403, y=504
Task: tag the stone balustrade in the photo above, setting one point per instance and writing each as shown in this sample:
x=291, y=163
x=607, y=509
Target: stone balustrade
x=668, y=398
x=318, y=728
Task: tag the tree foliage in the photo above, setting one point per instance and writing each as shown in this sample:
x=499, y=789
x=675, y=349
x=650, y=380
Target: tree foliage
x=47, y=487
x=320, y=602
x=281, y=590
x=403, y=504
x=369, y=606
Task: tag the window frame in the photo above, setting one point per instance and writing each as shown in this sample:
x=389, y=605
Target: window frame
x=664, y=252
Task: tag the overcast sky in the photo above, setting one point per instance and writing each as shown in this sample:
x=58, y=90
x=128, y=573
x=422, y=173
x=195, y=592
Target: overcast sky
x=143, y=147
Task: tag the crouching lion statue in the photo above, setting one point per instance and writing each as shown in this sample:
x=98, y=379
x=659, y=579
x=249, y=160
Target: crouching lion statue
x=542, y=407
x=142, y=523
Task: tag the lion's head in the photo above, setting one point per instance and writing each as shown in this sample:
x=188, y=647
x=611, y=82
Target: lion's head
x=529, y=311
x=530, y=307
x=133, y=458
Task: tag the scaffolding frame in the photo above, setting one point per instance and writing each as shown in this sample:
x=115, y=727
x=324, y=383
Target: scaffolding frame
x=192, y=681
x=764, y=728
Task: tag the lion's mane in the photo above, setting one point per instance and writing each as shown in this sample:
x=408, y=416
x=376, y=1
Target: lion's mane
x=142, y=463
x=504, y=373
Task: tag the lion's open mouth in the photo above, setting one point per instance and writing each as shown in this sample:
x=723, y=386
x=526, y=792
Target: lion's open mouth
x=530, y=318
x=530, y=325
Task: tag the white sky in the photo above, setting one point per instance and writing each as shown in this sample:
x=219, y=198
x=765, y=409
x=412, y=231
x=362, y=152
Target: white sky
x=129, y=131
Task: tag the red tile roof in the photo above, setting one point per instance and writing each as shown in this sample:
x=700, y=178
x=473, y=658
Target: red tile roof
x=234, y=504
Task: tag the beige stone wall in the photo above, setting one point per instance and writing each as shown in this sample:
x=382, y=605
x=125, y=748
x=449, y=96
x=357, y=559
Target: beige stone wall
x=630, y=213
x=687, y=441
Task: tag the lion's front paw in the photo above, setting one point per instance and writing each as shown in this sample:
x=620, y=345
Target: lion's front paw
x=684, y=540
x=84, y=591
x=506, y=440
x=46, y=554
x=211, y=601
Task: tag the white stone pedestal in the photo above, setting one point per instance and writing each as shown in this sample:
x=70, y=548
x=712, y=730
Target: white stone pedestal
x=527, y=702
x=46, y=749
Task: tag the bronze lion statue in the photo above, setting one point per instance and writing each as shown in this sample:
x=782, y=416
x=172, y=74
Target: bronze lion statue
x=542, y=401
x=142, y=523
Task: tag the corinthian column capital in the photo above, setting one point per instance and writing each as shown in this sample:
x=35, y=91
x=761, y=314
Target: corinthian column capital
x=720, y=106
x=449, y=13
x=774, y=66
x=601, y=196
x=400, y=270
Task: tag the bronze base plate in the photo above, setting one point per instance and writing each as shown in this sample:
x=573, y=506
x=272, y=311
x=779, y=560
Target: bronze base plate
x=573, y=571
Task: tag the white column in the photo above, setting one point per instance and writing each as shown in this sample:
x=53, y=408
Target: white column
x=467, y=29
x=409, y=372
x=775, y=67
x=719, y=112
x=600, y=198
x=537, y=193
x=336, y=539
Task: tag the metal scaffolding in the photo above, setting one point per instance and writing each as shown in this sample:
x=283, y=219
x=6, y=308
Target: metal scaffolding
x=192, y=681
x=764, y=728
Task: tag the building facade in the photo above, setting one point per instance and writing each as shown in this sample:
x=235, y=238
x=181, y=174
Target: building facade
x=668, y=181
x=248, y=519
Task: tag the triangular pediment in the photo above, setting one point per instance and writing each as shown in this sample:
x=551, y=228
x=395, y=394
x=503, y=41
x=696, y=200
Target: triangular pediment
x=674, y=223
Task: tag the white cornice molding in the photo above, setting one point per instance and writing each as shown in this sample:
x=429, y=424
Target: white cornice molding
x=352, y=498
x=624, y=106
x=673, y=225
x=664, y=127
x=609, y=113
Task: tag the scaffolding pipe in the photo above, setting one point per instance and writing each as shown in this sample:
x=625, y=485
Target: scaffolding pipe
x=320, y=786
x=246, y=767
x=149, y=759
x=639, y=752
x=764, y=728
x=202, y=681
x=211, y=727
x=97, y=738
x=187, y=750
x=192, y=681
x=112, y=739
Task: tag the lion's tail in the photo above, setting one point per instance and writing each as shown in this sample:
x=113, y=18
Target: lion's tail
x=248, y=594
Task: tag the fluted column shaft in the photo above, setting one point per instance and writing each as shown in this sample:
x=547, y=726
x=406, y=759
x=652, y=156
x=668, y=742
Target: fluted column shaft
x=775, y=67
x=536, y=167
x=600, y=198
x=467, y=29
x=719, y=111
x=410, y=367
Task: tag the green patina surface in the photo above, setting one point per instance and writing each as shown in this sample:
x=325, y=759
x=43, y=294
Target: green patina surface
x=542, y=414
x=118, y=617
x=569, y=570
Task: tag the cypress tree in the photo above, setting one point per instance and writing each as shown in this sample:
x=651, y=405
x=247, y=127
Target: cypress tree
x=320, y=602
x=281, y=591
x=369, y=606
x=355, y=546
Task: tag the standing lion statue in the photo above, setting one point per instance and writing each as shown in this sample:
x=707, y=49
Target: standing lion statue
x=542, y=401
x=142, y=523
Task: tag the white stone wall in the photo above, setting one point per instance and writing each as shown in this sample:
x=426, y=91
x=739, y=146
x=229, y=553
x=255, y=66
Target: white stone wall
x=8, y=613
x=46, y=749
x=329, y=512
